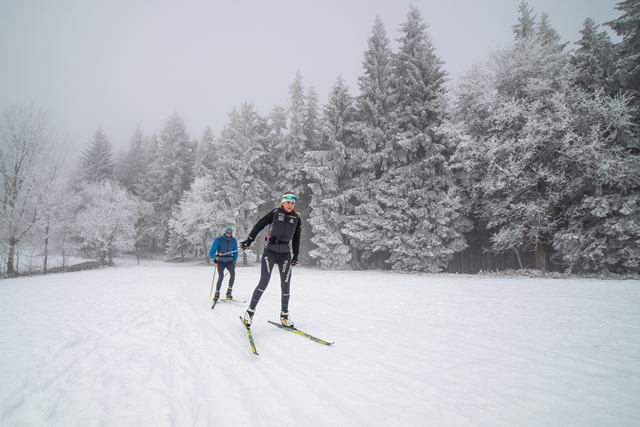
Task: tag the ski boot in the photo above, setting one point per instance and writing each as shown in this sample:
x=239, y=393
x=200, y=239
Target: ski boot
x=284, y=319
x=248, y=317
x=216, y=296
x=229, y=294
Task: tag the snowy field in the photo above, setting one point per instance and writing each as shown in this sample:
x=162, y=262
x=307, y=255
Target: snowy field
x=140, y=346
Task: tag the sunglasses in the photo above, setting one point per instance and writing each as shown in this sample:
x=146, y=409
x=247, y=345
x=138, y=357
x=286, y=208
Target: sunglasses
x=291, y=198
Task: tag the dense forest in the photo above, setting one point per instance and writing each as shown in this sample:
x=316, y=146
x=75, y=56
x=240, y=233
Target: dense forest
x=529, y=160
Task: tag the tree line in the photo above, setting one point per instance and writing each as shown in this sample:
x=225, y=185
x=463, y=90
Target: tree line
x=530, y=159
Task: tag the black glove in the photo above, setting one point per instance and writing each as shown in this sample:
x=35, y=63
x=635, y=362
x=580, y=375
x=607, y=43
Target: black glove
x=215, y=260
x=245, y=245
x=294, y=261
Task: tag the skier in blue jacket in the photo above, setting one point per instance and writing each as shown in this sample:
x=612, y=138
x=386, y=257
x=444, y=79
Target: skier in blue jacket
x=224, y=252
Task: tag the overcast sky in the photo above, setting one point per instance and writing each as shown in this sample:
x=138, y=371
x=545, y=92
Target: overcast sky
x=123, y=63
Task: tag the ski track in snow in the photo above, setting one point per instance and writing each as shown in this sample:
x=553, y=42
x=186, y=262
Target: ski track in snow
x=140, y=346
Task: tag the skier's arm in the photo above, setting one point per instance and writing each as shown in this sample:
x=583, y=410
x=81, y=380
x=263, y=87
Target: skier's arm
x=295, y=241
x=235, y=249
x=214, y=248
x=264, y=221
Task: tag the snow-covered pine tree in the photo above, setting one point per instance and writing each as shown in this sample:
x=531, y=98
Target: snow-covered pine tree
x=627, y=26
x=600, y=221
x=132, y=165
x=96, y=163
x=168, y=178
x=290, y=156
x=526, y=26
x=421, y=223
x=366, y=152
x=205, y=154
x=241, y=172
x=594, y=61
x=312, y=125
x=327, y=173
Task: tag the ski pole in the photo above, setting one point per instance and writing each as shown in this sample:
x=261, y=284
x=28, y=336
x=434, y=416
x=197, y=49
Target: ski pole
x=214, y=279
x=229, y=252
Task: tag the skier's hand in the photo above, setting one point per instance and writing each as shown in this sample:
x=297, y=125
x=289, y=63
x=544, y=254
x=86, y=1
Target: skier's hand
x=245, y=245
x=294, y=261
x=215, y=260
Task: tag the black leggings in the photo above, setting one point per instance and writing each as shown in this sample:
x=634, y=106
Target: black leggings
x=232, y=273
x=269, y=259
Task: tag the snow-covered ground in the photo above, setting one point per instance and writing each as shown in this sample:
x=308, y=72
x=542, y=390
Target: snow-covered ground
x=140, y=346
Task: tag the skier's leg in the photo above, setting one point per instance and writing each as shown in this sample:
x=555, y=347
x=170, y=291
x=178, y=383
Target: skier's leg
x=268, y=260
x=220, y=267
x=285, y=281
x=232, y=273
x=232, y=277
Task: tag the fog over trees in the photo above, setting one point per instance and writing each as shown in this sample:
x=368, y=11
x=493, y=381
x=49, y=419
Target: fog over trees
x=529, y=160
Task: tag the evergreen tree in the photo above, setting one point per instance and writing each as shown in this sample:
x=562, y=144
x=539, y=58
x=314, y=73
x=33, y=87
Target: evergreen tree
x=289, y=157
x=525, y=28
x=628, y=50
x=367, y=150
x=205, y=154
x=168, y=177
x=96, y=163
x=312, y=119
x=421, y=223
x=600, y=223
x=547, y=34
x=594, y=61
x=131, y=167
x=327, y=171
x=278, y=120
x=241, y=185
x=291, y=153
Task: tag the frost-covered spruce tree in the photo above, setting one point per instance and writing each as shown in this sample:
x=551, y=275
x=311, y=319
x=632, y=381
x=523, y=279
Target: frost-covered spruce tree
x=594, y=61
x=312, y=125
x=421, y=223
x=627, y=26
x=132, y=165
x=240, y=173
x=525, y=28
x=327, y=172
x=205, y=154
x=168, y=178
x=290, y=155
x=96, y=163
x=367, y=151
x=600, y=223
x=313, y=134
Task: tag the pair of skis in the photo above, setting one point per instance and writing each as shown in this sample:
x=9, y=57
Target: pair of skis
x=294, y=330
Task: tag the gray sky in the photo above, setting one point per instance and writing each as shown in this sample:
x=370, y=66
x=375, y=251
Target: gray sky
x=120, y=63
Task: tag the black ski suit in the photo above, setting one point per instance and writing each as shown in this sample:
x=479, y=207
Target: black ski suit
x=283, y=239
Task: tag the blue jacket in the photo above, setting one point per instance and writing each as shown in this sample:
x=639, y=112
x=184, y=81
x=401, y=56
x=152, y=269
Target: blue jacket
x=224, y=245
